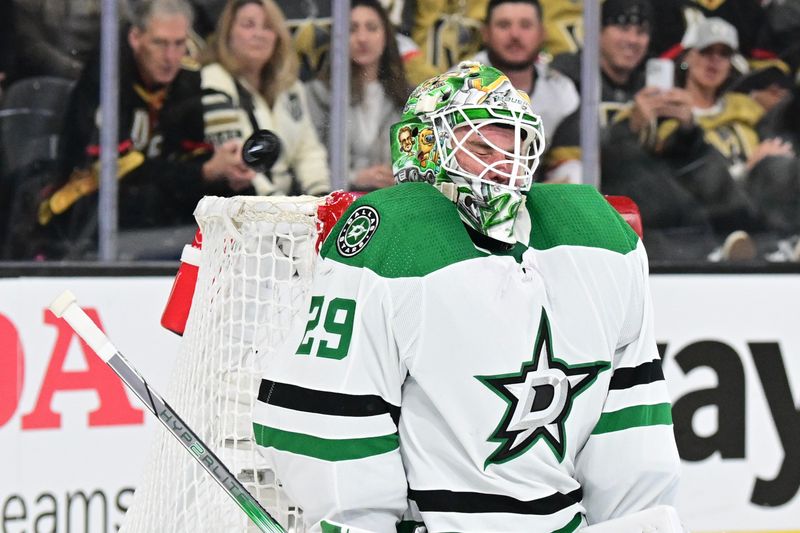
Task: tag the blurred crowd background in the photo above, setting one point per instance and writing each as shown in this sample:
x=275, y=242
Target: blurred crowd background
x=699, y=111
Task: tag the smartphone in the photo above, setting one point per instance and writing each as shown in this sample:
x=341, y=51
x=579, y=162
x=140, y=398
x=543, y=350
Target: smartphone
x=660, y=73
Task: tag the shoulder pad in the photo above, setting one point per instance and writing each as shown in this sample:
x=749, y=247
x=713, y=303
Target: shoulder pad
x=576, y=215
x=406, y=230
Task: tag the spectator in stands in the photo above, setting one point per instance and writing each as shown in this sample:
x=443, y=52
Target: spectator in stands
x=55, y=37
x=760, y=42
x=774, y=62
x=164, y=167
x=310, y=25
x=624, y=39
x=709, y=136
x=668, y=213
x=513, y=35
x=251, y=83
x=378, y=91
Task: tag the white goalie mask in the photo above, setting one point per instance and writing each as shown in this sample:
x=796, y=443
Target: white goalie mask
x=485, y=145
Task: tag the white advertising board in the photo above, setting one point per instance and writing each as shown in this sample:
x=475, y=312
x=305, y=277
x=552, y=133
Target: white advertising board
x=73, y=439
x=71, y=434
x=731, y=348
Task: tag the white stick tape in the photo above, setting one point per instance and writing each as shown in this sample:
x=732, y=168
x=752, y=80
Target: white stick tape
x=66, y=307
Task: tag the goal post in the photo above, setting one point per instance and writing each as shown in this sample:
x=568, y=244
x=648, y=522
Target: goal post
x=254, y=276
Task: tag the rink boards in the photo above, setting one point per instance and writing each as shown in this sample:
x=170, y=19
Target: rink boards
x=73, y=441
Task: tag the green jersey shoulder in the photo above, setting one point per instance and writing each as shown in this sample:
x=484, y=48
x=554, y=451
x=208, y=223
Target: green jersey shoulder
x=406, y=230
x=411, y=229
x=576, y=215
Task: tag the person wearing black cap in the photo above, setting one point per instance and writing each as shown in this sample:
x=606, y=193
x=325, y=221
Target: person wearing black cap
x=624, y=40
x=669, y=214
x=676, y=226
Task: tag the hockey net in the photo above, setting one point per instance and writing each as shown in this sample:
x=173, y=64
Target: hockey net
x=253, y=280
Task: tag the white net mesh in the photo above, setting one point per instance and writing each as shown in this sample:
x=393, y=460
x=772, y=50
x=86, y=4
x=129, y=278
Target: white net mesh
x=255, y=272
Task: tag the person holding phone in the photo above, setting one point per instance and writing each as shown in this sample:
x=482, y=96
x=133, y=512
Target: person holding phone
x=659, y=99
x=708, y=136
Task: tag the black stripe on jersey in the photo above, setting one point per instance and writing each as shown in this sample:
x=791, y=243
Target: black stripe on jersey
x=225, y=107
x=445, y=501
x=323, y=402
x=214, y=100
x=625, y=378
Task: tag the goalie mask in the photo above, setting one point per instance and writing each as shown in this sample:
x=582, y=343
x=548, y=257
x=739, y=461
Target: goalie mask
x=474, y=137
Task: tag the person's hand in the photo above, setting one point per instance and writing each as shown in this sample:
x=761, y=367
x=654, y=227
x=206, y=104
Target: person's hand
x=770, y=96
x=374, y=177
x=767, y=148
x=227, y=164
x=645, y=105
x=677, y=103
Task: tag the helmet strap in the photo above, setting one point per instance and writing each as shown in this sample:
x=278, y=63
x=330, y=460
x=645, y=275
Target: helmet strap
x=449, y=190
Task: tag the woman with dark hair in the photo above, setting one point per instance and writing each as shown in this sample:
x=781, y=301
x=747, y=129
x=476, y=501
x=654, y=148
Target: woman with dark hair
x=250, y=82
x=378, y=90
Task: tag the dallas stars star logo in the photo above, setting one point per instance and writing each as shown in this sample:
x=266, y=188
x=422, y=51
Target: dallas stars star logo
x=539, y=399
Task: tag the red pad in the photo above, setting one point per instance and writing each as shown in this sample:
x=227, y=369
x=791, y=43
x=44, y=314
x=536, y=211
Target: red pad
x=629, y=211
x=336, y=203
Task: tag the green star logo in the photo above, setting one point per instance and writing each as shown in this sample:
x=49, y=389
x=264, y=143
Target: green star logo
x=538, y=399
x=357, y=231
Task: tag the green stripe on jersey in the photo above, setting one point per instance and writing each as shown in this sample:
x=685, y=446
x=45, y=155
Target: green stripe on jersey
x=333, y=527
x=636, y=416
x=327, y=527
x=572, y=525
x=576, y=215
x=325, y=449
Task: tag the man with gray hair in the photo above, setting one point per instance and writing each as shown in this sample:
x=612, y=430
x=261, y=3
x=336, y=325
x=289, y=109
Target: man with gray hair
x=165, y=166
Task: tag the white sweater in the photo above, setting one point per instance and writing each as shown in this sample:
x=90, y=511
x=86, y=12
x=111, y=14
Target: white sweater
x=302, y=154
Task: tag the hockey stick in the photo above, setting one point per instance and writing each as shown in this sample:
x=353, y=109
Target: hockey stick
x=66, y=306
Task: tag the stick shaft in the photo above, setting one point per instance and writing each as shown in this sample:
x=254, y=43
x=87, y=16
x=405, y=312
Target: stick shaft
x=97, y=340
x=194, y=445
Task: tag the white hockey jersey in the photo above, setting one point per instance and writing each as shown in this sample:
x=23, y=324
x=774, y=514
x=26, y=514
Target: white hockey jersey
x=472, y=391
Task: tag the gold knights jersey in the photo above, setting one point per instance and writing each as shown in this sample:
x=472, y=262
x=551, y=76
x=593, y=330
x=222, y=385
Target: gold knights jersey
x=729, y=126
x=472, y=391
x=447, y=31
x=563, y=20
